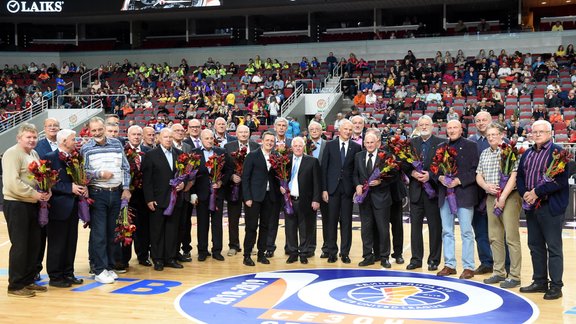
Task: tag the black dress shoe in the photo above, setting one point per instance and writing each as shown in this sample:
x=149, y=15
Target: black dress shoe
x=182, y=258
x=346, y=259
x=292, y=259
x=366, y=262
x=60, y=284
x=187, y=255
x=553, y=293
x=399, y=260
x=263, y=260
x=412, y=266
x=158, y=266
x=202, y=256
x=483, y=269
x=332, y=259
x=248, y=261
x=303, y=259
x=534, y=288
x=217, y=256
x=324, y=255
x=432, y=267
x=145, y=263
x=173, y=264
x=269, y=254
x=385, y=263
x=74, y=281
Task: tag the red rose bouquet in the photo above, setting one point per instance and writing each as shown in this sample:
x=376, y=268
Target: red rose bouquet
x=279, y=161
x=46, y=178
x=75, y=169
x=186, y=167
x=238, y=157
x=557, y=165
x=135, y=161
x=215, y=165
x=125, y=228
x=509, y=157
x=385, y=166
x=310, y=147
x=444, y=163
x=404, y=151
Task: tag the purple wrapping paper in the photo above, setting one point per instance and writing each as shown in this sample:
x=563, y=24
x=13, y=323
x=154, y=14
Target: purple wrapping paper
x=451, y=196
x=502, y=183
x=288, y=209
x=83, y=210
x=426, y=185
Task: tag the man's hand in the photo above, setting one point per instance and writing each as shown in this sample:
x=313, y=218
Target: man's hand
x=492, y=189
x=315, y=205
x=106, y=175
x=78, y=190
x=126, y=194
x=217, y=185
x=325, y=196
x=374, y=183
x=530, y=197
x=248, y=203
x=282, y=190
x=152, y=205
x=236, y=179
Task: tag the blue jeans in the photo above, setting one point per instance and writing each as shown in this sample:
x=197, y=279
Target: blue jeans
x=480, y=225
x=103, y=214
x=467, y=234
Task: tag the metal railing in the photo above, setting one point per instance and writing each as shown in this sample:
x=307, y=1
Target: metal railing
x=16, y=118
x=288, y=102
x=86, y=78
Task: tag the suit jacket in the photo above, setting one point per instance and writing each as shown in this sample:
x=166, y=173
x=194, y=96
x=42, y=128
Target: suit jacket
x=308, y=182
x=190, y=142
x=415, y=188
x=156, y=176
x=186, y=148
x=466, y=162
x=229, y=138
x=380, y=195
x=255, y=177
x=322, y=148
x=42, y=148
x=230, y=148
x=334, y=173
x=202, y=182
x=63, y=201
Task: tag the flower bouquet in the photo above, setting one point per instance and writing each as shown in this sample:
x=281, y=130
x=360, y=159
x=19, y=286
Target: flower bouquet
x=444, y=163
x=558, y=165
x=75, y=169
x=238, y=157
x=135, y=161
x=310, y=147
x=215, y=164
x=385, y=165
x=125, y=228
x=186, y=168
x=404, y=151
x=46, y=178
x=279, y=161
x=509, y=157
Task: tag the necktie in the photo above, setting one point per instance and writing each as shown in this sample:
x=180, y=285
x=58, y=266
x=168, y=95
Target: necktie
x=424, y=149
x=196, y=143
x=369, y=165
x=343, y=153
x=294, y=171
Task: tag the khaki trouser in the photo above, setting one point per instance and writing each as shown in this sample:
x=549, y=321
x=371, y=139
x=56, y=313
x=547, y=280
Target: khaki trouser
x=505, y=226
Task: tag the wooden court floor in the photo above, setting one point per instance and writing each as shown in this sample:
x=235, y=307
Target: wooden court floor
x=91, y=303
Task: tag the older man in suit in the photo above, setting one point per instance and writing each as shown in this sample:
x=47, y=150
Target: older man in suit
x=158, y=168
x=193, y=138
x=63, y=215
x=337, y=191
x=235, y=206
x=260, y=189
x=304, y=188
x=202, y=188
x=421, y=205
x=466, y=191
x=220, y=134
x=315, y=133
x=375, y=209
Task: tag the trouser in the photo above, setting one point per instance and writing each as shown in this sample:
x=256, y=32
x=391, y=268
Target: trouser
x=62, y=241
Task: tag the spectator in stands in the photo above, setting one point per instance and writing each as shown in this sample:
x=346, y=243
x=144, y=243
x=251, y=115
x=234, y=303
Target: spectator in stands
x=348, y=86
x=540, y=113
x=527, y=88
x=470, y=75
x=439, y=115
x=366, y=84
x=257, y=78
x=504, y=71
x=470, y=89
x=410, y=56
x=360, y=98
x=433, y=97
x=339, y=118
x=516, y=129
x=493, y=82
x=452, y=115
x=551, y=99
x=460, y=28
x=558, y=27
x=278, y=83
x=556, y=116
x=483, y=26
x=570, y=100
x=362, y=66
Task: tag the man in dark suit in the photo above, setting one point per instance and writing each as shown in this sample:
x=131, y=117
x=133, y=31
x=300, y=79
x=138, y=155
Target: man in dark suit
x=375, y=209
x=466, y=192
x=193, y=138
x=62, y=227
x=201, y=188
x=420, y=204
x=337, y=191
x=178, y=134
x=220, y=133
x=235, y=207
x=261, y=193
x=315, y=133
x=158, y=168
x=304, y=188
x=137, y=203
x=45, y=146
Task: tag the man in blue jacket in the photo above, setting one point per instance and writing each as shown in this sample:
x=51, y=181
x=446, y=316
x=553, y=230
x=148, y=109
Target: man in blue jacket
x=545, y=202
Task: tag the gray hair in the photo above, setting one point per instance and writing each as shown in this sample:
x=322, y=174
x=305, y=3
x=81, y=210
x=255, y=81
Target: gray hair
x=64, y=134
x=133, y=127
x=543, y=122
x=299, y=139
x=26, y=127
x=314, y=123
x=357, y=116
x=374, y=131
x=426, y=117
x=280, y=119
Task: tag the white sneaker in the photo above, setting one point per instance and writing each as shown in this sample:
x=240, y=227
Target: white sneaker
x=104, y=278
x=112, y=274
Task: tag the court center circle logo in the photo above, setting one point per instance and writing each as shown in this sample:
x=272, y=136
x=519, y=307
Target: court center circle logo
x=350, y=296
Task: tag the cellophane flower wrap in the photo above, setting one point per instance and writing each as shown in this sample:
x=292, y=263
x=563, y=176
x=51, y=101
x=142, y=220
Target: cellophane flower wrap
x=403, y=149
x=74, y=163
x=384, y=168
x=216, y=165
x=279, y=161
x=186, y=168
x=444, y=163
x=238, y=158
x=558, y=165
x=46, y=178
x=125, y=228
x=509, y=158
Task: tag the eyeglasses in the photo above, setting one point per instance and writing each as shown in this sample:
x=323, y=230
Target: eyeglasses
x=538, y=133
